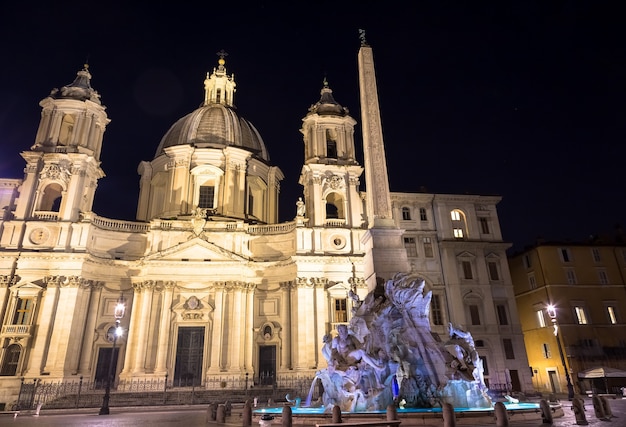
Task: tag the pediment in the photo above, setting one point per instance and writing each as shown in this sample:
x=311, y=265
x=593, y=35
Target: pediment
x=196, y=249
x=337, y=287
x=27, y=288
x=466, y=255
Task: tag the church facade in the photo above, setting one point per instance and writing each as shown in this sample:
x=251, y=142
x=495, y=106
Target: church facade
x=216, y=290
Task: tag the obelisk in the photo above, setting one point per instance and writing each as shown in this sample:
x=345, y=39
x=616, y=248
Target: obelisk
x=385, y=253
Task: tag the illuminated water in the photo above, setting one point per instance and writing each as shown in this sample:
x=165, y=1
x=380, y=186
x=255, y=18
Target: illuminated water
x=322, y=410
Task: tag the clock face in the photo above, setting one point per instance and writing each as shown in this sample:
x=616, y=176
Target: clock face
x=39, y=236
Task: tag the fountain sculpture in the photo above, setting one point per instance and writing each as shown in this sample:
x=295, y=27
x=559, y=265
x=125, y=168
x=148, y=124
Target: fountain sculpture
x=389, y=355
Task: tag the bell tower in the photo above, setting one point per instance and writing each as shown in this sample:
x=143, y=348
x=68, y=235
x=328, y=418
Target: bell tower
x=63, y=166
x=330, y=175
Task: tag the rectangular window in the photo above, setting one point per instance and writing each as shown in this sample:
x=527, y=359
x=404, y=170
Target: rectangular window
x=603, y=278
x=565, y=255
x=423, y=216
x=546, y=351
x=455, y=215
x=581, y=315
x=331, y=149
x=23, y=311
x=206, y=196
x=409, y=245
x=508, y=348
x=595, y=253
x=458, y=233
x=341, y=311
x=474, y=314
x=493, y=270
x=612, y=316
x=484, y=225
x=428, y=247
x=526, y=260
x=532, y=282
x=406, y=214
x=571, y=276
x=502, y=316
x=435, y=310
x=467, y=270
x=541, y=320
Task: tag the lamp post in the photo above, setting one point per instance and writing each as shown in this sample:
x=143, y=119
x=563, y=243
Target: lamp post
x=120, y=309
x=552, y=313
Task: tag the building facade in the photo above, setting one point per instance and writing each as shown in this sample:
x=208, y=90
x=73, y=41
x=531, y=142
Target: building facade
x=584, y=282
x=217, y=291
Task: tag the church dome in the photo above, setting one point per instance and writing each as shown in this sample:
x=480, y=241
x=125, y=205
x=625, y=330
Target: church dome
x=215, y=126
x=216, y=123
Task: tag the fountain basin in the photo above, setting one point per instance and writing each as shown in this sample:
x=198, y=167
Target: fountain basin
x=310, y=416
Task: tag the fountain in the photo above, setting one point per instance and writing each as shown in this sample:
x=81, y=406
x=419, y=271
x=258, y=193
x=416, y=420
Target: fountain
x=388, y=355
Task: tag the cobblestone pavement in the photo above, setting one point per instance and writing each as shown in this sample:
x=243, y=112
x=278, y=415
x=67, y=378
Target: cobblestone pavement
x=195, y=416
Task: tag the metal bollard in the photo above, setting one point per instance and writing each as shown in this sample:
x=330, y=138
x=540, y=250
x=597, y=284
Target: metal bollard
x=578, y=406
x=392, y=413
x=221, y=414
x=287, y=420
x=449, y=419
x=607, y=407
x=247, y=414
x=598, y=408
x=336, y=415
x=546, y=412
x=502, y=418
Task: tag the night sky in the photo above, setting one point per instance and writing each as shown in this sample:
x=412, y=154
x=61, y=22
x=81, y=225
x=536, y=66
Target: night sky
x=522, y=99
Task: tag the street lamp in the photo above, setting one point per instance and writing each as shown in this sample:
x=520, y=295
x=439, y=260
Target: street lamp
x=552, y=313
x=120, y=309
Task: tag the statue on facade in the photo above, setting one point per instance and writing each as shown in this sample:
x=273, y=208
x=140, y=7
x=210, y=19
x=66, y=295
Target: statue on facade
x=300, y=207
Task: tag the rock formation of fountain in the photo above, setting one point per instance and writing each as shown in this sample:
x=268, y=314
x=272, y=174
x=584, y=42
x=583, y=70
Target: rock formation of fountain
x=389, y=355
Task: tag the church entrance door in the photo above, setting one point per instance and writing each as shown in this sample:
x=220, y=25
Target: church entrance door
x=189, y=356
x=267, y=365
x=102, y=367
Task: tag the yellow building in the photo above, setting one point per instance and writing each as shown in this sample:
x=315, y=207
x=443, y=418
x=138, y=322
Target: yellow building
x=584, y=282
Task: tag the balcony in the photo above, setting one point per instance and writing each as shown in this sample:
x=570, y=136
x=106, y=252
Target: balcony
x=46, y=215
x=17, y=330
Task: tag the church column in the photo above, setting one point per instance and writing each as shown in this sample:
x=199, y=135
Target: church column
x=321, y=317
x=133, y=331
x=235, y=351
x=216, y=337
x=165, y=328
x=83, y=302
x=64, y=336
x=249, y=332
x=47, y=315
x=286, y=321
x=90, y=328
x=144, y=325
x=303, y=318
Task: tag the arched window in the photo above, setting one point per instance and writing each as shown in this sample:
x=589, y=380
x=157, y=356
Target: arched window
x=334, y=206
x=459, y=226
x=51, y=198
x=11, y=359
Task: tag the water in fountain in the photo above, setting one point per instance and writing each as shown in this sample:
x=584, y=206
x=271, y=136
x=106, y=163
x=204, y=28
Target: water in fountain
x=389, y=355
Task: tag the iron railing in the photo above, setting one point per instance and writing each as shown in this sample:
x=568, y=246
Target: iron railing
x=82, y=393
